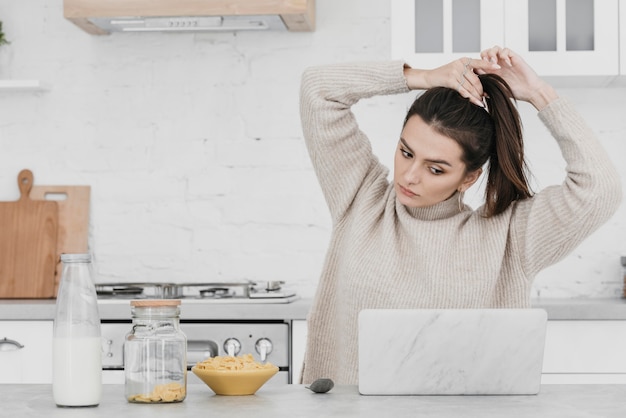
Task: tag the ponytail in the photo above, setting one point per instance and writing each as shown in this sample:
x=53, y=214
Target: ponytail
x=507, y=180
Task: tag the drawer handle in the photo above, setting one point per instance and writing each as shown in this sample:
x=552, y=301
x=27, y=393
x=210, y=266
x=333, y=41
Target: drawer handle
x=9, y=345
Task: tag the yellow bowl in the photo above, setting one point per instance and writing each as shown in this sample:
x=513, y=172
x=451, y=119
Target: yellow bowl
x=235, y=382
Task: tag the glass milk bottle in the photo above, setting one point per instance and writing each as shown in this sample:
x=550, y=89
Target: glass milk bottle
x=77, y=345
x=155, y=353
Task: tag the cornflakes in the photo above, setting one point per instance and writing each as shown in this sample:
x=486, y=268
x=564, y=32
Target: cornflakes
x=170, y=392
x=245, y=362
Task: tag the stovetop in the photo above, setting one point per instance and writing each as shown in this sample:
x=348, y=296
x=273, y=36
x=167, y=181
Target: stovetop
x=210, y=292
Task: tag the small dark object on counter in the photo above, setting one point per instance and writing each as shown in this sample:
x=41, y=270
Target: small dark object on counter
x=321, y=385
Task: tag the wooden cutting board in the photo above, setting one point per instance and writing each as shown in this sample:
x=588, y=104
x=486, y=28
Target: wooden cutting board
x=73, y=232
x=28, y=240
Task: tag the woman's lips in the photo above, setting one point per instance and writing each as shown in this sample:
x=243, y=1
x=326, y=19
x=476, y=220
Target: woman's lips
x=406, y=191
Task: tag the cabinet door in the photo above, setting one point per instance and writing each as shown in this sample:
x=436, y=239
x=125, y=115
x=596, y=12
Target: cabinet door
x=26, y=351
x=430, y=33
x=585, y=352
x=565, y=37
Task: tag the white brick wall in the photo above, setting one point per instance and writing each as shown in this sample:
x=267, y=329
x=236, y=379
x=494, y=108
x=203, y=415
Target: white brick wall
x=193, y=148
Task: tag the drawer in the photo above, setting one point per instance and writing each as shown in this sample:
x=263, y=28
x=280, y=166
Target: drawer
x=26, y=351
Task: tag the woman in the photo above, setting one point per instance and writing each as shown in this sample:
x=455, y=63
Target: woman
x=411, y=243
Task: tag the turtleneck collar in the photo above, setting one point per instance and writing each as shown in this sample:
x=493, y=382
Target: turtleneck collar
x=443, y=210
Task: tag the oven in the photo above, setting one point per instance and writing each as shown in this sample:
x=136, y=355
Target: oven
x=267, y=340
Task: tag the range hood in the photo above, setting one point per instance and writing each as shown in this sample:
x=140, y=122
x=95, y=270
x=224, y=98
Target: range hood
x=101, y=17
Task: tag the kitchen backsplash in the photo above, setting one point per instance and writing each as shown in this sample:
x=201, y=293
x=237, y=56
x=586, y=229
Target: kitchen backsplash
x=193, y=148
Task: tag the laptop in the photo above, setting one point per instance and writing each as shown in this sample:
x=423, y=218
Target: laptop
x=451, y=351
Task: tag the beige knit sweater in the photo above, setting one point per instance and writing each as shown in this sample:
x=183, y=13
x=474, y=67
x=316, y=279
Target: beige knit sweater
x=385, y=255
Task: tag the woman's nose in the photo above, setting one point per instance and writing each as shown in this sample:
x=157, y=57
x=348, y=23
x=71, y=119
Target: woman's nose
x=412, y=174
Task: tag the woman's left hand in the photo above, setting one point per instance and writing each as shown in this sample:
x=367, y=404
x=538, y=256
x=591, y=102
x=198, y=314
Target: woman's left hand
x=524, y=82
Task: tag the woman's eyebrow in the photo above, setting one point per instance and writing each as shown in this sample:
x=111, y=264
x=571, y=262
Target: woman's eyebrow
x=442, y=162
x=430, y=160
x=406, y=145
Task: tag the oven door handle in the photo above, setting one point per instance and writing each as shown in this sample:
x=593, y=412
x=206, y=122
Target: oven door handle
x=199, y=350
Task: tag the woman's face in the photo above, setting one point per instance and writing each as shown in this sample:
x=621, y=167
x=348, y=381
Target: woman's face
x=428, y=168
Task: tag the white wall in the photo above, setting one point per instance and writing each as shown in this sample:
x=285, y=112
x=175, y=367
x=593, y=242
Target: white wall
x=193, y=147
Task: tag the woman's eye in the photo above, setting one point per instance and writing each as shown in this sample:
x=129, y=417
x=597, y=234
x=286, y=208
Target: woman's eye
x=436, y=170
x=405, y=153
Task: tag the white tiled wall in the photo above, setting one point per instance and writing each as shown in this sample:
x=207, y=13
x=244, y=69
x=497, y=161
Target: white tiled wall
x=193, y=148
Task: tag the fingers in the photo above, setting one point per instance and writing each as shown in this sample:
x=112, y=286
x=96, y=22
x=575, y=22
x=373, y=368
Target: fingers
x=498, y=55
x=483, y=65
x=469, y=85
x=464, y=75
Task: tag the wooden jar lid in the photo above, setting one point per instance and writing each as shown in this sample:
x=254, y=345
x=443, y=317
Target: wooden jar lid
x=154, y=302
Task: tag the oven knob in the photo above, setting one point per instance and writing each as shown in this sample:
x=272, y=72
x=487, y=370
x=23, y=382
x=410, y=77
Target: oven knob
x=232, y=346
x=263, y=347
x=109, y=344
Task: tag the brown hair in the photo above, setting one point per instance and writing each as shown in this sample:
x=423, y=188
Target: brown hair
x=493, y=135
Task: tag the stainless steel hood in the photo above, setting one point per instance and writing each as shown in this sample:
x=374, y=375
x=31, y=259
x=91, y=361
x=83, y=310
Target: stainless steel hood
x=101, y=17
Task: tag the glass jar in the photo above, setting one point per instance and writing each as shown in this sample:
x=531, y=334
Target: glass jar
x=155, y=353
x=77, y=343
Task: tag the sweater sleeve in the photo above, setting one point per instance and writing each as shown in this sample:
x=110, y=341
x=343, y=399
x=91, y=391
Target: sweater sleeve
x=556, y=220
x=340, y=152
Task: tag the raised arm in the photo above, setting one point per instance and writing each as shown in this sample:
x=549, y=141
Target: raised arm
x=548, y=226
x=340, y=152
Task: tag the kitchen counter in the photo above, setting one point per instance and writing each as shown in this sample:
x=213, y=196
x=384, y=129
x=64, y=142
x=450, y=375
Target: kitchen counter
x=583, y=309
x=119, y=309
x=43, y=309
x=554, y=401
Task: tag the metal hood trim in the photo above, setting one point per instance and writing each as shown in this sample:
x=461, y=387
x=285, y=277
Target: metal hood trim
x=101, y=17
x=189, y=23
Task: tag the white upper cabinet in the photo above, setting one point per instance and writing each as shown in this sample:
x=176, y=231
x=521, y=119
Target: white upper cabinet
x=565, y=37
x=429, y=33
x=557, y=37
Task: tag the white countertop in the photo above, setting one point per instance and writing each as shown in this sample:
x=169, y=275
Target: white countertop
x=43, y=309
x=583, y=309
x=553, y=401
